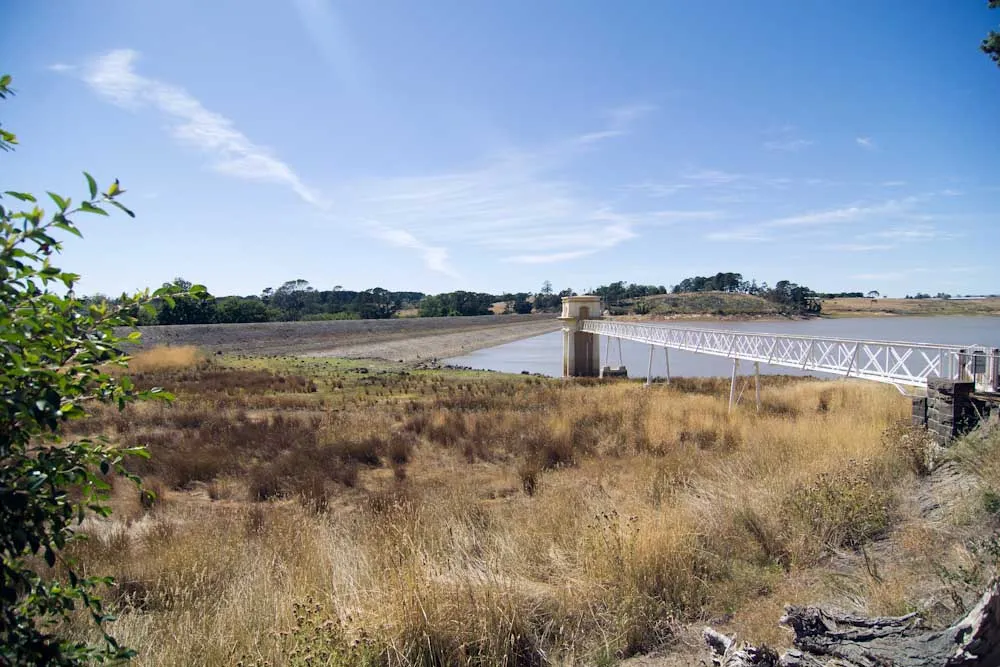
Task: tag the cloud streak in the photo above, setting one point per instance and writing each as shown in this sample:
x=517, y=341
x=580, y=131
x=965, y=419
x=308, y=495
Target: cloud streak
x=847, y=215
x=514, y=208
x=620, y=121
x=113, y=77
x=788, y=145
x=435, y=257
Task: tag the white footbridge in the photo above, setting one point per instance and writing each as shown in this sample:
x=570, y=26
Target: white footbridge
x=907, y=366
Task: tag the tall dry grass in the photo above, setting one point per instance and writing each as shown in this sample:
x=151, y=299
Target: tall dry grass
x=646, y=508
x=164, y=358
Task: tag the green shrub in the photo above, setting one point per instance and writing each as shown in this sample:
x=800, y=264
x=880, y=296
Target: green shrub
x=55, y=351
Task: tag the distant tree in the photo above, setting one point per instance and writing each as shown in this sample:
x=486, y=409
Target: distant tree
x=234, y=310
x=546, y=288
x=522, y=306
x=874, y=294
x=942, y=295
x=991, y=44
x=376, y=304
x=457, y=303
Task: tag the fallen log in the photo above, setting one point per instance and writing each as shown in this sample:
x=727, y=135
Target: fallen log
x=827, y=639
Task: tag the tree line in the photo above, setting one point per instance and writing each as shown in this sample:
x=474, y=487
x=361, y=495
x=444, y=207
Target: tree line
x=297, y=300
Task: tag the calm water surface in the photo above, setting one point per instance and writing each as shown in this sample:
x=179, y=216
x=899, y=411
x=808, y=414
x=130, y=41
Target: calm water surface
x=543, y=354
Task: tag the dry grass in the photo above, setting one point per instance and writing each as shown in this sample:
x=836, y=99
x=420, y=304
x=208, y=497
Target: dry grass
x=436, y=519
x=875, y=307
x=164, y=358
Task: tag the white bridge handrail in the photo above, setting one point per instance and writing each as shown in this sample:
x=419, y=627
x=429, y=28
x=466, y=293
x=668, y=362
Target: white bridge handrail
x=893, y=362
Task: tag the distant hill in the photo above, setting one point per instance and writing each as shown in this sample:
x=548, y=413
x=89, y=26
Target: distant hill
x=708, y=304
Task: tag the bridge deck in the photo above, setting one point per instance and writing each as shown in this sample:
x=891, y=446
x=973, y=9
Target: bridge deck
x=897, y=363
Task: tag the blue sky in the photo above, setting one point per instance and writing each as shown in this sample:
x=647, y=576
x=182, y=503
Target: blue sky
x=492, y=145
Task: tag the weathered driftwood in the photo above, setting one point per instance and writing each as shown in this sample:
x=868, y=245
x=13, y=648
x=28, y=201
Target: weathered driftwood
x=825, y=639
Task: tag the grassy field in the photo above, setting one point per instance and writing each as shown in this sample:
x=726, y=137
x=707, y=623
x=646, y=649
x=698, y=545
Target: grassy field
x=882, y=307
x=329, y=512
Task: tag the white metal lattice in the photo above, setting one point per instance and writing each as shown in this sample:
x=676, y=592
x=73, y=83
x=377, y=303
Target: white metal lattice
x=906, y=364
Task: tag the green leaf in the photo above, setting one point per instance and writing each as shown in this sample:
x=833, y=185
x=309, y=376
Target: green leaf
x=119, y=205
x=67, y=227
x=92, y=185
x=5, y=80
x=23, y=196
x=63, y=204
x=87, y=207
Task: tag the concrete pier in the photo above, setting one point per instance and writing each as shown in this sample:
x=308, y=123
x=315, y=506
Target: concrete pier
x=581, y=350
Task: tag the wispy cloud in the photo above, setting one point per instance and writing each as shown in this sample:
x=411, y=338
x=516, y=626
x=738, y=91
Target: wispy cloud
x=713, y=177
x=865, y=142
x=921, y=232
x=113, y=76
x=893, y=184
x=901, y=274
x=893, y=208
x=619, y=122
x=862, y=247
x=885, y=275
x=785, y=138
x=659, y=190
x=435, y=257
x=788, y=145
x=607, y=238
x=331, y=38
x=738, y=234
x=840, y=215
x=515, y=208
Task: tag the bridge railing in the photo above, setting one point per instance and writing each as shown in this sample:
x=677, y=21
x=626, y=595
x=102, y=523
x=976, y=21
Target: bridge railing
x=898, y=363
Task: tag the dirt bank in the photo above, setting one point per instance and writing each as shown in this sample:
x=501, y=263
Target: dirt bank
x=409, y=339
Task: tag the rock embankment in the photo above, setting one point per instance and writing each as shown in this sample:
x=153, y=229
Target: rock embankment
x=406, y=339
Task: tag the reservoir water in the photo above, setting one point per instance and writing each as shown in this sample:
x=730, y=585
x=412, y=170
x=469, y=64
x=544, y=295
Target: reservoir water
x=543, y=354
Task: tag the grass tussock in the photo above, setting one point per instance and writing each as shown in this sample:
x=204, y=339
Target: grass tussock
x=456, y=519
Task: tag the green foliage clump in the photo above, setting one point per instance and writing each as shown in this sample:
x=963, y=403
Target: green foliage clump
x=55, y=353
x=991, y=45
x=457, y=303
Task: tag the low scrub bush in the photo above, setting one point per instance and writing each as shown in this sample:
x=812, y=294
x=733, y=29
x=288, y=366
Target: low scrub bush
x=844, y=508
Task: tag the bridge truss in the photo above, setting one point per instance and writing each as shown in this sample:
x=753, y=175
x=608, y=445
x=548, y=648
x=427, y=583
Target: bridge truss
x=905, y=365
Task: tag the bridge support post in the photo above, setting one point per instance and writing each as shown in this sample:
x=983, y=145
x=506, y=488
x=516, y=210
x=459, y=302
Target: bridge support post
x=732, y=385
x=756, y=377
x=581, y=350
x=649, y=370
x=666, y=357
